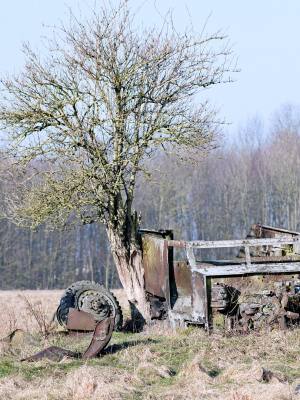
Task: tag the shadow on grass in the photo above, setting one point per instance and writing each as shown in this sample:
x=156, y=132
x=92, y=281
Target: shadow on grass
x=114, y=348
x=213, y=373
x=136, y=323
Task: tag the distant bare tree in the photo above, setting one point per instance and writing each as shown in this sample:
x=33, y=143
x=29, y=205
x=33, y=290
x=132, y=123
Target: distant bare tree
x=107, y=96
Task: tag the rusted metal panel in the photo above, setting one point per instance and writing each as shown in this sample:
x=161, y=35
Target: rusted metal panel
x=100, y=339
x=101, y=336
x=182, y=277
x=177, y=243
x=52, y=353
x=156, y=266
x=80, y=320
x=182, y=288
x=265, y=231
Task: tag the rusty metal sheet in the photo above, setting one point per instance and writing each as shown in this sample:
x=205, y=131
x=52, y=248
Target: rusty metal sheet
x=156, y=265
x=265, y=231
x=52, y=353
x=182, y=277
x=181, y=286
x=101, y=336
x=80, y=320
x=100, y=339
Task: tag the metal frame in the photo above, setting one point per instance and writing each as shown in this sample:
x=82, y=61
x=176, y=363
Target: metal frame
x=203, y=272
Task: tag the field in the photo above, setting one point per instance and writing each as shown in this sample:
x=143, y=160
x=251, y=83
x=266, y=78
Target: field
x=155, y=364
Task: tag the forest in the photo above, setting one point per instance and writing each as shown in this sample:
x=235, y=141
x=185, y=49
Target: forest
x=251, y=178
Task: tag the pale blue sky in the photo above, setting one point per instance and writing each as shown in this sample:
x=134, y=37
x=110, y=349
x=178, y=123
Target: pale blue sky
x=265, y=35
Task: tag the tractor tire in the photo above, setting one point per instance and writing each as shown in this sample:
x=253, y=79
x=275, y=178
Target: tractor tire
x=90, y=297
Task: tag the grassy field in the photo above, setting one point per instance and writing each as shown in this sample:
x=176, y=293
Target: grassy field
x=155, y=364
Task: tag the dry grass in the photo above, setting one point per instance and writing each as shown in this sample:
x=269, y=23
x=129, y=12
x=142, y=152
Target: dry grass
x=85, y=382
x=15, y=308
x=16, y=313
x=158, y=363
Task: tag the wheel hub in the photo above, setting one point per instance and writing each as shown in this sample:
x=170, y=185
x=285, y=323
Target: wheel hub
x=95, y=303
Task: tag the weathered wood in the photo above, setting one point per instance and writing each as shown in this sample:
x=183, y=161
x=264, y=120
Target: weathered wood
x=199, y=297
x=191, y=257
x=202, y=272
x=244, y=269
x=211, y=244
x=247, y=254
x=258, y=260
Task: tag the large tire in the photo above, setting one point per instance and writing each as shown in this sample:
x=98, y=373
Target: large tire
x=90, y=297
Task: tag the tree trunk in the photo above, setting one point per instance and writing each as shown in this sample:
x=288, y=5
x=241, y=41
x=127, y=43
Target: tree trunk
x=131, y=273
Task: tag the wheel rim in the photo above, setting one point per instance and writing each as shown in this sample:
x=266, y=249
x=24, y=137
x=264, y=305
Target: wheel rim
x=95, y=303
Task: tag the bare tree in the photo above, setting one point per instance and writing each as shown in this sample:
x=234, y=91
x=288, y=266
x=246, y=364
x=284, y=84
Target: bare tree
x=104, y=99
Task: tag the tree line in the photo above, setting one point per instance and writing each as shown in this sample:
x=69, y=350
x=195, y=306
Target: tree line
x=256, y=178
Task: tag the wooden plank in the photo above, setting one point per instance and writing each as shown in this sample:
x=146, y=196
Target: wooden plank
x=258, y=260
x=243, y=269
x=247, y=254
x=191, y=257
x=209, y=244
x=199, y=297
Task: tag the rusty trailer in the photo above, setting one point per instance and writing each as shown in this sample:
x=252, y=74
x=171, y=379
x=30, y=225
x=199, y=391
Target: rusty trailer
x=259, y=286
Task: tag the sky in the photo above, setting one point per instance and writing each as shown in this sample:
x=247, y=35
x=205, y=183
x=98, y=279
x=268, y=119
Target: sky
x=264, y=35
